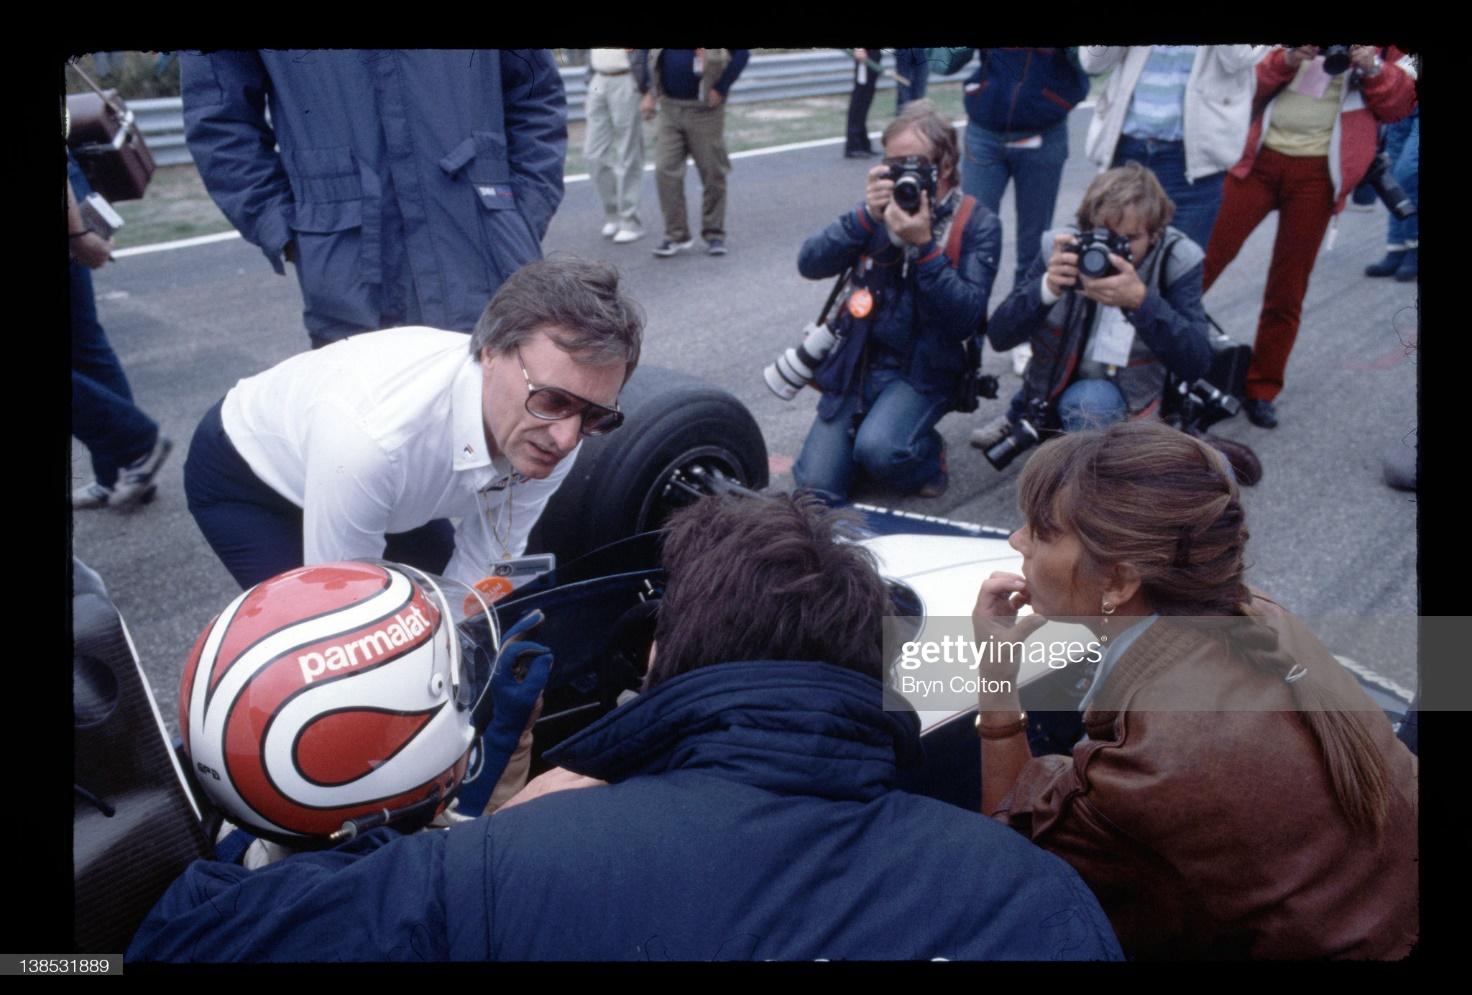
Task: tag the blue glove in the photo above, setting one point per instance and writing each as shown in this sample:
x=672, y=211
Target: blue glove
x=514, y=697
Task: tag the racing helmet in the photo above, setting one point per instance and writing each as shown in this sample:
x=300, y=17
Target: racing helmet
x=337, y=697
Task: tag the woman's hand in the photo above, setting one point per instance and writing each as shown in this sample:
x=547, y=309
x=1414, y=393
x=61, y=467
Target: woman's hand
x=879, y=192
x=1366, y=59
x=994, y=619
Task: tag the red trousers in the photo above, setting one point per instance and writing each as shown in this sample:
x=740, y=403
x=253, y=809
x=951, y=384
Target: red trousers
x=1300, y=189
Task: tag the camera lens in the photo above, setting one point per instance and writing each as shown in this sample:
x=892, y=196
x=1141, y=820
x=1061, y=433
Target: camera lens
x=1093, y=262
x=1022, y=437
x=907, y=194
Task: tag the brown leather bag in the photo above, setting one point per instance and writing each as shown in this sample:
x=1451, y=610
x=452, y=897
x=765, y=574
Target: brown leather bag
x=107, y=144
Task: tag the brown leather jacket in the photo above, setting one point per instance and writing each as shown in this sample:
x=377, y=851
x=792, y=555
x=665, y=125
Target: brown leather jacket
x=1200, y=812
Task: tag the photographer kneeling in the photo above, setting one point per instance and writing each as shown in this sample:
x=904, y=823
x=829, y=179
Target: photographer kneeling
x=1109, y=308
x=918, y=293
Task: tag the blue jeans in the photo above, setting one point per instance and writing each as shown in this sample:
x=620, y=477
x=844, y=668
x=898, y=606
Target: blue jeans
x=1403, y=146
x=1037, y=173
x=895, y=443
x=1196, y=203
x=1088, y=404
x=114, y=430
x=914, y=65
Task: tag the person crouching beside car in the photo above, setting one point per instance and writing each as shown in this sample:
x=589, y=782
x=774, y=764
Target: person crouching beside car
x=918, y=293
x=1110, y=307
x=1236, y=794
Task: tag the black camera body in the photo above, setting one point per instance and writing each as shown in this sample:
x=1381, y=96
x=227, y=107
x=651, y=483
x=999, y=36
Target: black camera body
x=1336, y=58
x=1093, y=248
x=912, y=174
x=1024, y=433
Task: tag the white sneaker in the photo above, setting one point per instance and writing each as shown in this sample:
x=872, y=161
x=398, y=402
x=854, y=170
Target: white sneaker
x=1020, y=357
x=92, y=495
x=135, y=481
x=629, y=233
x=610, y=229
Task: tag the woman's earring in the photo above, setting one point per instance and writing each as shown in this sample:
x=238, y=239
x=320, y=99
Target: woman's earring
x=1108, y=609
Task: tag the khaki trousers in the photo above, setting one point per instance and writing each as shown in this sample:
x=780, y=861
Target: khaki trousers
x=690, y=128
x=614, y=146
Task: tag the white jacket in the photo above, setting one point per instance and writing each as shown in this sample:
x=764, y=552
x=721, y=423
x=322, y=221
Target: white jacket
x=1218, y=107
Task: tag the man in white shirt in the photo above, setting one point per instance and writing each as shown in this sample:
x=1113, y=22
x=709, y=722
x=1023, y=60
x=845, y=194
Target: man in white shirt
x=367, y=448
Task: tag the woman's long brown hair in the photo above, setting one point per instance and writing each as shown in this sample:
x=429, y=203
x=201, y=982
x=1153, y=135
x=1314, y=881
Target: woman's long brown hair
x=1145, y=494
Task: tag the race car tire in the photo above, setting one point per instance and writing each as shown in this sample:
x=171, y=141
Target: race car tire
x=620, y=484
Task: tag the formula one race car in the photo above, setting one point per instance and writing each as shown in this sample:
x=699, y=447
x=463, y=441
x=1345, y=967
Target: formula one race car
x=140, y=817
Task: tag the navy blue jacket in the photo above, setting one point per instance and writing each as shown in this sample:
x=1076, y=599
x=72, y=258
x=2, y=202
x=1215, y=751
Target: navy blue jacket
x=1020, y=92
x=413, y=182
x=751, y=817
x=922, y=315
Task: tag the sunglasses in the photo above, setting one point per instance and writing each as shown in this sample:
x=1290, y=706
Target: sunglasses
x=555, y=404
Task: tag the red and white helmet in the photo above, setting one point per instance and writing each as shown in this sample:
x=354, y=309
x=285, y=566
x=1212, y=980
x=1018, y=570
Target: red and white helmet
x=331, y=693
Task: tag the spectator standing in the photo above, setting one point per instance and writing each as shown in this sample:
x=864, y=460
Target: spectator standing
x=913, y=64
x=688, y=88
x=1017, y=104
x=408, y=183
x=1403, y=236
x=614, y=141
x=1181, y=111
x=125, y=444
x=1311, y=142
x=866, y=78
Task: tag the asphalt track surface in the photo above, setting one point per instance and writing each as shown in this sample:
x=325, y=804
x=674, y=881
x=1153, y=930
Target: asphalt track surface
x=1329, y=539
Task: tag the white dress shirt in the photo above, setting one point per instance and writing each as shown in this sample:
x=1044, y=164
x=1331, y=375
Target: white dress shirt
x=382, y=433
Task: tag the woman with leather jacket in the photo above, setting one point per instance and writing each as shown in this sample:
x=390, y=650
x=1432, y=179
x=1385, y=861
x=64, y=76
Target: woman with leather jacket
x=1235, y=793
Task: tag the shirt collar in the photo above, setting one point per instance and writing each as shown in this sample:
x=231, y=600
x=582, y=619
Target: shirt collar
x=468, y=428
x=467, y=416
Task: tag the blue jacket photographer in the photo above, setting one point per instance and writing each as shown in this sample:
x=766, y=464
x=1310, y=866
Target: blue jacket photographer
x=1109, y=308
x=918, y=293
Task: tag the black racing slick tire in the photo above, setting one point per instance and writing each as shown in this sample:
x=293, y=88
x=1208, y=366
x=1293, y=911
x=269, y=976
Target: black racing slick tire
x=676, y=428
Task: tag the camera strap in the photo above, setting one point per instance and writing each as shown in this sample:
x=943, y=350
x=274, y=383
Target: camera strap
x=838, y=286
x=956, y=228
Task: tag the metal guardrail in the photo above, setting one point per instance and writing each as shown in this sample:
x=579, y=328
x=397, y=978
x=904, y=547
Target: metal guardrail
x=787, y=76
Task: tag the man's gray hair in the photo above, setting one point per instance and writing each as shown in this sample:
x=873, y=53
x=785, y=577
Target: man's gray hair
x=580, y=297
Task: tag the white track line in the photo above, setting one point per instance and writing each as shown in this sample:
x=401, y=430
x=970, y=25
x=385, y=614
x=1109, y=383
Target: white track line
x=183, y=243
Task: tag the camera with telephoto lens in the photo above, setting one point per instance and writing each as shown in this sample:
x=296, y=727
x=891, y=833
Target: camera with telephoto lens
x=794, y=369
x=1093, y=248
x=911, y=175
x=1195, y=407
x=1022, y=436
x=1392, y=194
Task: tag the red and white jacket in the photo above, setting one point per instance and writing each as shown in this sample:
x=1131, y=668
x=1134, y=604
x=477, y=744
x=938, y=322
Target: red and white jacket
x=1365, y=102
